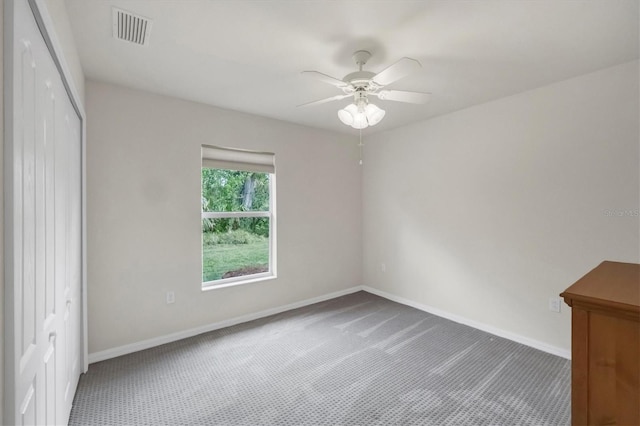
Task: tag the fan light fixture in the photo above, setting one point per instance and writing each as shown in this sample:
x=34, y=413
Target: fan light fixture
x=361, y=116
x=363, y=85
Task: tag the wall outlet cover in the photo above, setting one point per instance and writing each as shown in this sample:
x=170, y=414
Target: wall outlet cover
x=554, y=304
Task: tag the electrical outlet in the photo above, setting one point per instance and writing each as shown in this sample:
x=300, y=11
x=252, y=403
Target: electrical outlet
x=171, y=297
x=554, y=304
x=383, y=267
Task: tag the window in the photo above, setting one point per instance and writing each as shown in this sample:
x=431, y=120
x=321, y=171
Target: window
x=238, y=220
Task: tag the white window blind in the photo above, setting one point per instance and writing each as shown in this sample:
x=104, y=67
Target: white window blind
x=237, y=159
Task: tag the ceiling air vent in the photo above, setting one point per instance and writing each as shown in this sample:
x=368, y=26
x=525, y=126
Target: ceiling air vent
x=132, y=28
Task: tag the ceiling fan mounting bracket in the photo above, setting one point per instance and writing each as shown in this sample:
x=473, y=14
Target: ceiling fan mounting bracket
x=361, y=57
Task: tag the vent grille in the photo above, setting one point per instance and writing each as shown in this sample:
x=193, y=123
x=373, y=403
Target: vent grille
x=129, y=27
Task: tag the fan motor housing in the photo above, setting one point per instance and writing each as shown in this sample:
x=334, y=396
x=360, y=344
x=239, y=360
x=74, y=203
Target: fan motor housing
x=358, y=77
x=359, y=81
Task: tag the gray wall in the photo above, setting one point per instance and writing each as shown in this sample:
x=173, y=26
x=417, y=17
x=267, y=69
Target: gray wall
x=143, y=213
x=487, y=212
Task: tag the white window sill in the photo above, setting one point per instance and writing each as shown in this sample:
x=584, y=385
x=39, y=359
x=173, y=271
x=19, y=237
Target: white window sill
x=211, y=285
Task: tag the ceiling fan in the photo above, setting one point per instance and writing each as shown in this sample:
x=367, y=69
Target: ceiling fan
x=363, y=84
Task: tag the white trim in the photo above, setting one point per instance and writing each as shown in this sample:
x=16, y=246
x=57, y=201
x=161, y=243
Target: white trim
x=234, y=281
x=536, y=344
x=85, y=322
x=273, y=227
x=161, y=340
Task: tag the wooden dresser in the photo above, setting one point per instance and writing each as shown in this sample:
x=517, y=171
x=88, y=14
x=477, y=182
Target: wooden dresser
x=605, y=345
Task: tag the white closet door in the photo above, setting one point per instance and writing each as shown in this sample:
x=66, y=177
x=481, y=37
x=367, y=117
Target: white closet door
x=68, y=251
x=44, y=251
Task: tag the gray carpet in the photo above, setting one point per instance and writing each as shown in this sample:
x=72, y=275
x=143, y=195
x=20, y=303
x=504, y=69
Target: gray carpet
x=355, y=360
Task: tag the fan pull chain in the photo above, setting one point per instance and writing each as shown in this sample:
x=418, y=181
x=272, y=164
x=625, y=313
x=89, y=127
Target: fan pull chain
x=360, y=145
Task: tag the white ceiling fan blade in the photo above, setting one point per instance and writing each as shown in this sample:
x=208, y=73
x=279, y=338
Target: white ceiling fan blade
x=325, y=78
x=396, y=71
x=322, y=101
x=403, y=96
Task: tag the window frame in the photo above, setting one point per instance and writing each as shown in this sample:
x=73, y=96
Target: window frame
x=243, y=279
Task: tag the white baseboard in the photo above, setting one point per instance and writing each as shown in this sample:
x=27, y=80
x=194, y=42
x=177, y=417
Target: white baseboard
x=161, y=340
x=471, y=323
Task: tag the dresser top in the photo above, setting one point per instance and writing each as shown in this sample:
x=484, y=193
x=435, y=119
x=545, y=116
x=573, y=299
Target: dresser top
x=610, y=284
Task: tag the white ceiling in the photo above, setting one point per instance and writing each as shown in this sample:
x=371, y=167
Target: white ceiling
x=248, y=55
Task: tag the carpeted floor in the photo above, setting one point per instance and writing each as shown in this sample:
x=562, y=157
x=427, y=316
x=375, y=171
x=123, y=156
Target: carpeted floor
x=355, y=360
